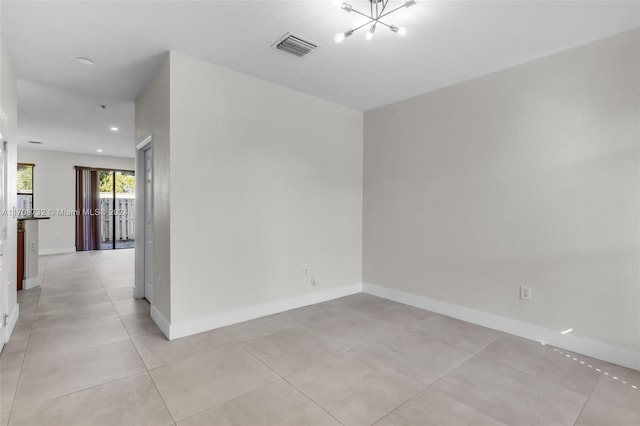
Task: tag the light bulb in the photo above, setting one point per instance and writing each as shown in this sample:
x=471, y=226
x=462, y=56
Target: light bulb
x=347, y=7
x=402, y=31
x=369, y=34
x=339, y=38
x=409, y=3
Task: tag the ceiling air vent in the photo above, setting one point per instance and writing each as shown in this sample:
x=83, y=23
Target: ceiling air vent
x=36, y=142
x=294, y=44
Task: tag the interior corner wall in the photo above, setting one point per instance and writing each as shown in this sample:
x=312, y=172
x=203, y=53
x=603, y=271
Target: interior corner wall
x=54, y=191
x=8, y=101
x=528, y=176
x=152, y=119
x=265, y=181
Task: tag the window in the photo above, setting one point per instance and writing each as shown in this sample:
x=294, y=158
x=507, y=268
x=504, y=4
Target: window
x=25, y=188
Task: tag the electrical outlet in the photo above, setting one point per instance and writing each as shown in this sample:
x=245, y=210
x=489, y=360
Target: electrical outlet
x=525, y=293
x=305, y=271
x=314, y=282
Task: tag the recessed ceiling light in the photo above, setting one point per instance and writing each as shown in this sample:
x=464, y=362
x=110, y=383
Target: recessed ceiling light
x=84, y=61
x=114, y=128
x=99, y=150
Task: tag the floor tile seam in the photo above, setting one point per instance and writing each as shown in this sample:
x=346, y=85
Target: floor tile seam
x=466, y=405
x=595, y=398
x=397, y=407
x=122, y=322
x=293, y=372
x=455, y=398
x=87, y=347
x=293, y=323
x=71, y=351
x=256, y=357
x=15, y=391
x=605, y=375
x=227, y=400
x=341, y=354
x=44, y=401
x=104, y=289
x=312, y=400
x=328, y=357
x=185, y=357
x=538, y=377
x=164, y=402
x=581, y=410
x=586, y=398
x=415, y=333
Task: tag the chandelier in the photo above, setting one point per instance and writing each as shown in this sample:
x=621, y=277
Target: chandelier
x=377, y=11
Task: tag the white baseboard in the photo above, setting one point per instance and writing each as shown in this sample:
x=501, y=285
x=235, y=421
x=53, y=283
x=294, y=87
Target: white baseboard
x=11, y=322
x=592, y=348
x=161, y=322
x=29, y=283
x=187, y=328
x=47, y=252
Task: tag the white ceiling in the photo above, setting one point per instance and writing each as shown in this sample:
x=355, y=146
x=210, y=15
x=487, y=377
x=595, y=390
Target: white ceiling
x=448, y=42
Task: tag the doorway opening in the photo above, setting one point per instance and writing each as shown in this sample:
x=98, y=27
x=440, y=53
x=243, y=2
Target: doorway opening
x=145, y=218
x=105, y=205
x=117, y=209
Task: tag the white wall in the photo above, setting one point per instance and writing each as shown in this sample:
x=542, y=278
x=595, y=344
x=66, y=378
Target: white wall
x=54, y=187
x=264, y=182
x=152, y=119
x=528, y=176
x=8, y=102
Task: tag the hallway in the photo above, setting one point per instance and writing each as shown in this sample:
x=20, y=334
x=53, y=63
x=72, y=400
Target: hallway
x=74, y=333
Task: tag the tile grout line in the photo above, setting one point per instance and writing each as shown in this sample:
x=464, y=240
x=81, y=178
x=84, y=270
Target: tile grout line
x=35, y=311
x=397, y=407
x=528, y=373
x=284, y=378
x=146, y=368
x=312, y=400
x=453, y=397
x=222, y=402
x=429, y=385
x=601, y=373
x=21, y=407
x=513, y=369
x=76, y=391
x=350, y=310
x=467, y=405
x=228, y=400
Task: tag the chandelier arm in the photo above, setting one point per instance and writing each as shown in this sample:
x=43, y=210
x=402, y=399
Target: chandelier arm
x=386, y=25
x=363, y=14
x=390, y=12
x=384, y=6
x=363, y=25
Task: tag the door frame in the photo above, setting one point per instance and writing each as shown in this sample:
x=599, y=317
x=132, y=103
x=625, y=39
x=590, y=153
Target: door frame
x=140, y=247
x=4, y=276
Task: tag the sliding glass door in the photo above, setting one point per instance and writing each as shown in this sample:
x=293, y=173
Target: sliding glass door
x=117, y=203
x=125, y=195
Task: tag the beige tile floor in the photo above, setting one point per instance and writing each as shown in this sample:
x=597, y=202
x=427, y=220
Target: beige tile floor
x=86, y=353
